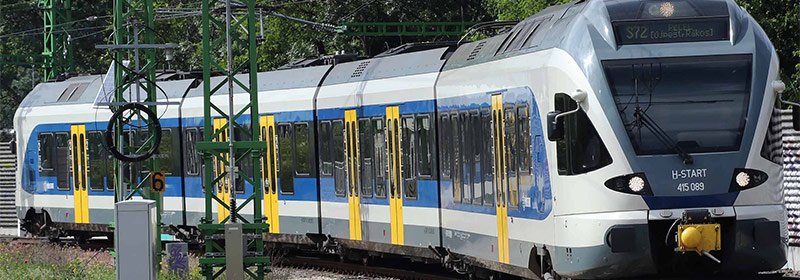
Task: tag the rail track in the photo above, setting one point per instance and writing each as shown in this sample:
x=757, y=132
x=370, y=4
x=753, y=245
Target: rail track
x=392, y=268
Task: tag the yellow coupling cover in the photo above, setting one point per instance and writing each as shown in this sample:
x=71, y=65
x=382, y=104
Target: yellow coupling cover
x=698, y=238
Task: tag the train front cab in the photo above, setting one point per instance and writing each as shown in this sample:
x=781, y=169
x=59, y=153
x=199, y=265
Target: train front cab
x=695, y=181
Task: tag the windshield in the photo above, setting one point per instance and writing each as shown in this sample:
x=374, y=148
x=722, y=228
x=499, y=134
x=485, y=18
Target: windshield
x=699, y=103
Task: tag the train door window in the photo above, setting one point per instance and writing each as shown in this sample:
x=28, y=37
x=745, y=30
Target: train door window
x=581, y=150
x=366, y=156
x=477, y=149
x=381, y=159
x=97, y=162
x=425, y=145
x=444, y=138
x=466, y=157
x=46, y=152
x=285, y=158
x=62, y=161
x=456, y=157
x=245, y=160
x=326, y=163
x=408, y=151
x=487, y=166
x=192, y=158
x=524, y=146
x=510, y=130
x=338, y=158
x=302, y=148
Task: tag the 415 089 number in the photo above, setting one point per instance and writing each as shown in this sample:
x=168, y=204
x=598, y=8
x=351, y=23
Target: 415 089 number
x=691, y=187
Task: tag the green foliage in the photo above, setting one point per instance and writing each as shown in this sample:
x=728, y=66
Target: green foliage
x=780, y=19
x=519, y=9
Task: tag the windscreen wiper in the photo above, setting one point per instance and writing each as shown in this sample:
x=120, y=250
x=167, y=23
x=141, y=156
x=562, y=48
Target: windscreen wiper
x=661, y=135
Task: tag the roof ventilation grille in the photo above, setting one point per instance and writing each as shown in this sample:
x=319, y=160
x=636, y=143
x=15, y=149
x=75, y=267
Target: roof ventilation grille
x=476, y=50
x=360, y=69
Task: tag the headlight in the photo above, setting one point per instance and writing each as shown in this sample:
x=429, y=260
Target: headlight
x=747, y=178
x=635, y=183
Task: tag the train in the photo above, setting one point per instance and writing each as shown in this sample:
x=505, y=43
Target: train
x=594, y=139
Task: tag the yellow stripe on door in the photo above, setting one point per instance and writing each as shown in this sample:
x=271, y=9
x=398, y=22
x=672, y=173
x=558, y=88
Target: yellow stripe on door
x=395, y=174
x=269, y=171
x=223, y=188
x=79, y=173
x=501, y=206
x=353, y=186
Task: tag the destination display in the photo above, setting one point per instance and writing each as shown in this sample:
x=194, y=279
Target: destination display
x=671, y=31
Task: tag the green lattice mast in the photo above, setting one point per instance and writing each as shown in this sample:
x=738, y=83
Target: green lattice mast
x=57, y=54
x=220, y=28
x=135, y=83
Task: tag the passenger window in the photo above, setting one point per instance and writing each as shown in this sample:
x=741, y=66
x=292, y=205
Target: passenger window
x=444, y=138
x=46, y=150
x=165, y=152
x=326, y=163
x=510, y=130
x=477, y=148
x=381, y=161
x=97, y=162
x=285, y=157
x=338, y=158
x=488, y=158
x=408, y=162
x=365, y=153
x=425, y=145
x=581, y=150
x=456, y=156
x=302, y=148
x=61, y=163
x=772, y=148
x=524, y=146
x=192, y=158
x=466, y=157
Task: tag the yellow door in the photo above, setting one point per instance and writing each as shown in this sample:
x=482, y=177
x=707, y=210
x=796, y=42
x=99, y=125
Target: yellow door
x=395, y=174
x=353, y=176
x=223, y=189
x=269, y=173
x=500, y=178
x=79, y=173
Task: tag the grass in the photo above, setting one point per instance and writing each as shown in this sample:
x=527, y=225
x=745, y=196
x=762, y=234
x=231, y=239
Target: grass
x=21, y=261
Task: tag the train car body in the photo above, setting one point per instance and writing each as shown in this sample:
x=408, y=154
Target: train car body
x=595, y=139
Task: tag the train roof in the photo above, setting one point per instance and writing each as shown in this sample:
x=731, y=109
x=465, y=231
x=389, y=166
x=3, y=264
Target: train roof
x=581, y=27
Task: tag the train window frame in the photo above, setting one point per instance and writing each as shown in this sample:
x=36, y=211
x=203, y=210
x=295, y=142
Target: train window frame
x=326, y=151
x=102, y=163
x=465, y=156
x=192, y=158
x=63, y=165
x=489, y=183
x=456, y=157
x=339, y=189
x=429, y=146
x=366, y=156
x=382, y=165
x=50, y=148
x=408, y=158
x=309, y=152
x=285, y=189
x=476, y=157
x=444, y=147
x=510, y=148
x=565, y=160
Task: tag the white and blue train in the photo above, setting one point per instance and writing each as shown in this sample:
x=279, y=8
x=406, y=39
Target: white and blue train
x=596, y=139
